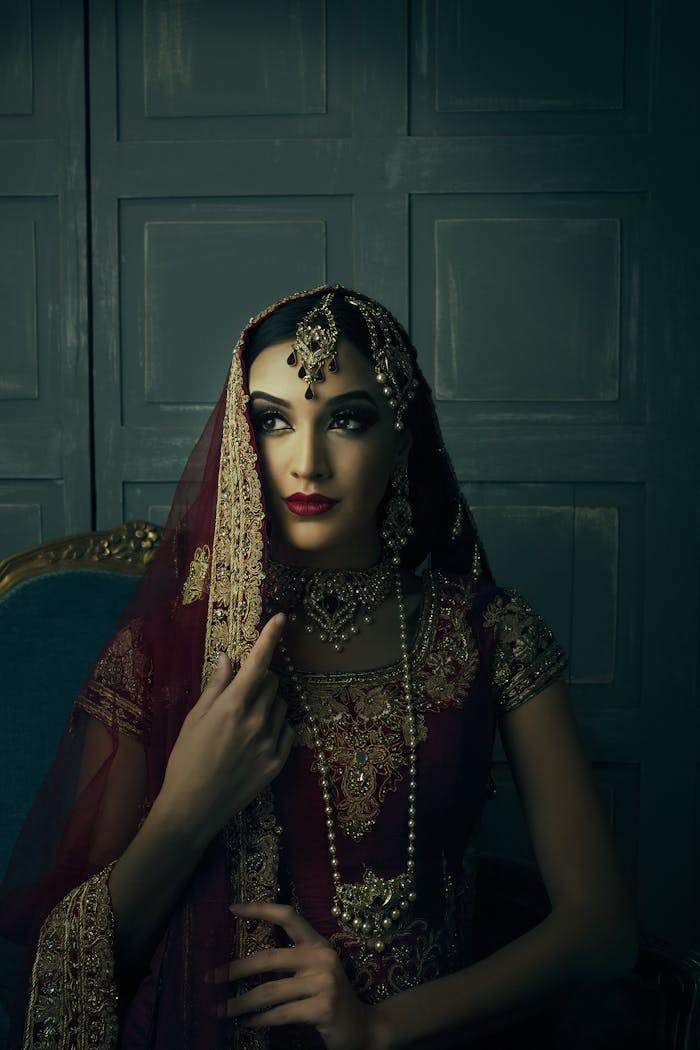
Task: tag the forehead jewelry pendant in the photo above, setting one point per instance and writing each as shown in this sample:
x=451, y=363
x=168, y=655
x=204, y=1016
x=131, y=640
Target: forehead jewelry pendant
x=315, y=345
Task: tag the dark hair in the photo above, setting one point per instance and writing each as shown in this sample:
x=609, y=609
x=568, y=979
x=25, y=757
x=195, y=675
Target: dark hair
x=282, y=325
x=434, y=493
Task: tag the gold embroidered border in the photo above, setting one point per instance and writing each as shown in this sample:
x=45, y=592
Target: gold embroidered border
x=526, y=657
x=73, y=996
x=128, y=717
x=118, y=690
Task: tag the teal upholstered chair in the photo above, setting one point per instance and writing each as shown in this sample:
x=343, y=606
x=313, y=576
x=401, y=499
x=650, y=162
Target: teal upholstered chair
x=60, y=601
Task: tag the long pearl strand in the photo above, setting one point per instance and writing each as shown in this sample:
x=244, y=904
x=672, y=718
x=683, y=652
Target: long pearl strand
x=375, y=909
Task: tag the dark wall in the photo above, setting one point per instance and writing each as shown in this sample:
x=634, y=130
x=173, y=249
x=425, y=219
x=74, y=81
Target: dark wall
x=517, y=181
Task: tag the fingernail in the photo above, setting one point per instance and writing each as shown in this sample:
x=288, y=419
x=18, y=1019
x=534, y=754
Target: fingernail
x=222, y=660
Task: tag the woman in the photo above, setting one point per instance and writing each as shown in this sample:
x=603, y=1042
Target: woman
x=284, y=750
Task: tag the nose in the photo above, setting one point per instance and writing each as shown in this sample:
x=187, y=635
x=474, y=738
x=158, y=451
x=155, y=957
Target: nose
x=310, y=455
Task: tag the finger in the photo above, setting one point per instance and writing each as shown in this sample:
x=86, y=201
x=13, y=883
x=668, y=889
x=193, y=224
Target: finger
x=282, y=915
x=267, y=960
x=218, y=680
x=271, y=993
x=308, y=1011
x=278, y=961
x=258, y=659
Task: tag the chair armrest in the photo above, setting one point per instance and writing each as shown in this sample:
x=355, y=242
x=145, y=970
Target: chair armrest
x=676, y=975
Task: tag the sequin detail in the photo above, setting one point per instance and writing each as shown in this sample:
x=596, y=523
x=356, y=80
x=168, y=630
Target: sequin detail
x=526, y=657
x=73, y=996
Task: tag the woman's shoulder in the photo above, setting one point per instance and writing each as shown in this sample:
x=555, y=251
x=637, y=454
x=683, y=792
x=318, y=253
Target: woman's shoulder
x=523, y=651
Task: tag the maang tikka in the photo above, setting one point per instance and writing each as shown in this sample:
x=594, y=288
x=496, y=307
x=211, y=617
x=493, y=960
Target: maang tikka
x=315, y=348
x=315, y=345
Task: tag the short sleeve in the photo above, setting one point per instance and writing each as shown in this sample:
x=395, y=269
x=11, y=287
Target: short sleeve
x=117, y=691
x=526, y=655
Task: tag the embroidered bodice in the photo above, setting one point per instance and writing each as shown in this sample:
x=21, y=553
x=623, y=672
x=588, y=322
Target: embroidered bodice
x=478, y=653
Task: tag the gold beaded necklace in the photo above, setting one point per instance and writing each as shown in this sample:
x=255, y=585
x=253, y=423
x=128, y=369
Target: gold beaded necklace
x=376, y=909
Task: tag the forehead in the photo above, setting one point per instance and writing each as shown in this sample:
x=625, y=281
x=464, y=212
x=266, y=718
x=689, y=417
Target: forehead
x=270, y=373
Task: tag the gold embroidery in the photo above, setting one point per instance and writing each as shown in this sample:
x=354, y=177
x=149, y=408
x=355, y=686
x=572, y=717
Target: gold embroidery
x=193, y=587
x=364, y=728
x=114, y=692
x=251, y=842
x=413, y=958
x=235, y=589
x=233, y=615
x=526, y=657
x=73, y=996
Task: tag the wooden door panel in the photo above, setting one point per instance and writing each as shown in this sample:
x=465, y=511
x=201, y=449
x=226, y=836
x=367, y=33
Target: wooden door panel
x=45, y=478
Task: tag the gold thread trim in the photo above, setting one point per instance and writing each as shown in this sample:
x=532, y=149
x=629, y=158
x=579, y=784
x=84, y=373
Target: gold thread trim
x=73, y=995
x=193, y=587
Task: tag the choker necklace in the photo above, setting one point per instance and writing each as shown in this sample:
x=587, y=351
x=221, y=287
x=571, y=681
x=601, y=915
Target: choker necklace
x=377, y=909
x=331, y=599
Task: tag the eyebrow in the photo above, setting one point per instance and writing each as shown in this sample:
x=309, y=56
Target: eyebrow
x=351, y=395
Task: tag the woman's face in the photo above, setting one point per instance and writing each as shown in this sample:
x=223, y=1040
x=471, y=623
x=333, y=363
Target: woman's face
x=342, y=445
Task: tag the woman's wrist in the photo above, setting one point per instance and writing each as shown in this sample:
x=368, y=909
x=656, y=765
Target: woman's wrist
x=380, y=1035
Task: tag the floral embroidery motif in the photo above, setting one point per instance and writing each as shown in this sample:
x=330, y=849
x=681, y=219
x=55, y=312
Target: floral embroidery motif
x=115, y=692
x=416, y=956
x=193, y=587
x=365, y=733
x=527, y=656
x=73, y=996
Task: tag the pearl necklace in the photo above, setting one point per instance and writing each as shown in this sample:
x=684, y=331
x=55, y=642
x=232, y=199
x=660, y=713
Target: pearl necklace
x=377, y=909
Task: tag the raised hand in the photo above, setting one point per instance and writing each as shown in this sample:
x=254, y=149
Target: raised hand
x=316, y=991
x=233, y=742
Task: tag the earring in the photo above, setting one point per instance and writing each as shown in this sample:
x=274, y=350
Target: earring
x=397, y=527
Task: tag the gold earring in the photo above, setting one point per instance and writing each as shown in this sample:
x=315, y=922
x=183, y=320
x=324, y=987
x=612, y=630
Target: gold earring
x=397, y=526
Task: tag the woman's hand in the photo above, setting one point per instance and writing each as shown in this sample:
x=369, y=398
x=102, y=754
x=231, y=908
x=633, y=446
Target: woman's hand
x=316, y=991
x=232, y=743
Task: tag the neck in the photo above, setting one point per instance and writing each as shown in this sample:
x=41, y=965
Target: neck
x=361, y=556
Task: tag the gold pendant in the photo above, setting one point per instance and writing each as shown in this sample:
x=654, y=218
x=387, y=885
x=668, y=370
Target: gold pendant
x=376, y=909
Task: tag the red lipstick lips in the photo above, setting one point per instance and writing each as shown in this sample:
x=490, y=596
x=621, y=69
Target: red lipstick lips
x=306, y=505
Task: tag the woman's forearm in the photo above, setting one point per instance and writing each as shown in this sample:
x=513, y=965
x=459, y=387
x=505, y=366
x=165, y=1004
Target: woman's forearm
x=147, y=881
x=563, y=949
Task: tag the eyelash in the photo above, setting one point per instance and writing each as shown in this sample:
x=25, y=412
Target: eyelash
x=364, y=420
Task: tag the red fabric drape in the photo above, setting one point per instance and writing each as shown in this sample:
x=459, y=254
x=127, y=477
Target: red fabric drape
x=113, y=752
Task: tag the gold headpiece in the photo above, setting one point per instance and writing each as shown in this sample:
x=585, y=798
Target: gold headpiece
x=315, y=347
x=315, y=344
x=392, y=362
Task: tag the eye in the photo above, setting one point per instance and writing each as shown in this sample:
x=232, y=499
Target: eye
x=353, y=420
x=269, y=421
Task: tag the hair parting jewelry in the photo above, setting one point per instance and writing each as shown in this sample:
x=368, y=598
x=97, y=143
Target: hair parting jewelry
x=315, y=348
x=376, y=909
x=315, y=344
x=392, y=362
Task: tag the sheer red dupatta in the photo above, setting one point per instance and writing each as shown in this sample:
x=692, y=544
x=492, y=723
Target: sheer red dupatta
x=202, y=593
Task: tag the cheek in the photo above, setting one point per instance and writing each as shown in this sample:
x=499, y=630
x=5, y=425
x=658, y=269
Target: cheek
x=370, y=470
x=269, y=470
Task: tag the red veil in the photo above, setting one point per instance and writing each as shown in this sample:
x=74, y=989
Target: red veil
x=202, y=593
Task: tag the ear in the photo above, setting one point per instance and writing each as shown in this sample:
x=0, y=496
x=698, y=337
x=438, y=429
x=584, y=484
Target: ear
x=404, y=440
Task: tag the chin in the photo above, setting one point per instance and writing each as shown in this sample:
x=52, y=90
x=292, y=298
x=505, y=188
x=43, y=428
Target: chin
x=314, y=537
